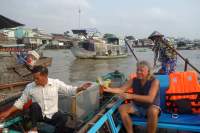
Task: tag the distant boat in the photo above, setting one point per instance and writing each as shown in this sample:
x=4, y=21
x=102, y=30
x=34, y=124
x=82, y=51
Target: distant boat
x=95, y=47
x=141, y=50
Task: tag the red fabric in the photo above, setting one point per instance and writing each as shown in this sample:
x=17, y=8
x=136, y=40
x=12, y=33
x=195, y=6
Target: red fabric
x=27, y=105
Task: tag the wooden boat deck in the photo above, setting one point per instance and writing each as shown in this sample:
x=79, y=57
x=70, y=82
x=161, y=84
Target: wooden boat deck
x=15, y=76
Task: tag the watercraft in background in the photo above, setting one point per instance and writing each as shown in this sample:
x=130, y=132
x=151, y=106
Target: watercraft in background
x=16, y=62
x=89, y=45
x=15, y=68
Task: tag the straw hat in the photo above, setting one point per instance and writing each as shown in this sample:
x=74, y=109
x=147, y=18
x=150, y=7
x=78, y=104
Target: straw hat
x=155, y=34
x=34, y=54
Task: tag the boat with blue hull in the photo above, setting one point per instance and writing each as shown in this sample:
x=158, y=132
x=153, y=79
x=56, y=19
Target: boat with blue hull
x=177, y=122
x=106, y=118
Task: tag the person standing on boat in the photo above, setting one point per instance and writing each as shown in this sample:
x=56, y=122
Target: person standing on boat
x=32, y=57
x=28, y=58
x=44, y=95
x=163, y=53
x=145, y=100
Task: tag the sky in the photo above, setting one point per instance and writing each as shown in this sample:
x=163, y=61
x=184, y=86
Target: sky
x=177, y=18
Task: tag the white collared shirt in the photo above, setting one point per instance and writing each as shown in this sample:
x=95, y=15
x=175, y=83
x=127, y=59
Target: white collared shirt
x=46, y=97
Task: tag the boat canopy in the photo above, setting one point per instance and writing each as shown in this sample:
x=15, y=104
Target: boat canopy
x=108, y=35
x=85, y=31
x=79, y=32
x=111, y=38
x=130, y=37
x=87, y=45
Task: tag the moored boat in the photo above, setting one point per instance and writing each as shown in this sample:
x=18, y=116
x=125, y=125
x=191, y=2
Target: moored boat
x=14, y=68
x=95, y=47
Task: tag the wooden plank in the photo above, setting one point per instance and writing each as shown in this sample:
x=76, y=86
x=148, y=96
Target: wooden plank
x=10, y=85
x=86, y=126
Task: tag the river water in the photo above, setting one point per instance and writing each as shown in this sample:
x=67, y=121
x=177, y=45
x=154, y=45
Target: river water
x=71, y=70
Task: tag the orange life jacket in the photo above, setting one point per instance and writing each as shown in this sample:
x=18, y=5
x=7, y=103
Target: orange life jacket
x=183, y=86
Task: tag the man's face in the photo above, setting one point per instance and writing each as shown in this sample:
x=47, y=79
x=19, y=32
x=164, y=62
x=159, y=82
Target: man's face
x=40, y=79
x=142, y=72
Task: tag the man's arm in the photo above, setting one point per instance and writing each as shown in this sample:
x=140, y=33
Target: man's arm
x=121, y=89
x=18, y=105
x=83, y=87
x=7, y=113
x=66, y=89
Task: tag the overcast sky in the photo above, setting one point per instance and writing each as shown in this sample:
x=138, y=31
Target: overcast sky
x=178, y=18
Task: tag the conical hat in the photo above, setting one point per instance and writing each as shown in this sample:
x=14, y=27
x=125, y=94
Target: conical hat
x=155, y=34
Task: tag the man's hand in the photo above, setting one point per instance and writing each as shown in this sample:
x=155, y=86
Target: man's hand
x=84, y=86
x=4, y=115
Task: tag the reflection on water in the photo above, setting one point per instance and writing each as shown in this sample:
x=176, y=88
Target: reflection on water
x=89, y=69
x=69, y=69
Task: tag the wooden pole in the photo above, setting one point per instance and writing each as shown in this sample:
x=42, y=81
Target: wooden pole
x=186, y=60
x=131, y=50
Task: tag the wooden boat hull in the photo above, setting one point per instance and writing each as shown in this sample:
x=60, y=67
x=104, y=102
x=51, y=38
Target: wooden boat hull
x=14, y=77
x=84, y=54
x=112, y=56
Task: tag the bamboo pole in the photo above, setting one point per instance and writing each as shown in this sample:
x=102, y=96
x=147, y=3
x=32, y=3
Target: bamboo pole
x=131, y=50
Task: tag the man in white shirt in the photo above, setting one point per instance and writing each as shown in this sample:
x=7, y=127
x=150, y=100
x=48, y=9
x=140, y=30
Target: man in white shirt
x=44, y=95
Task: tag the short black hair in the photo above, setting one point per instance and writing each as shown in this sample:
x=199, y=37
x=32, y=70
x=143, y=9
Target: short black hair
x=41, y=69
